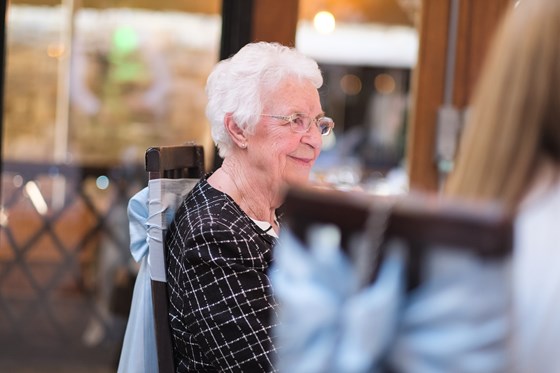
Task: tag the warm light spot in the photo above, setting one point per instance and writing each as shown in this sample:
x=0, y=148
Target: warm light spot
x=55, y=50
x=36, y=197
x=3, y=217
x=324, y=22
x=384, y=84
x=351, y=84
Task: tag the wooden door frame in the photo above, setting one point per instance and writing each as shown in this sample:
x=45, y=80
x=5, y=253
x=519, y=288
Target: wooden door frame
x=477, y=20
x=3, y=15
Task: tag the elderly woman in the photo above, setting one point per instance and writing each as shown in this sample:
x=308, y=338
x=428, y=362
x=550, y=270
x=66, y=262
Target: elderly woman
x=268, y=124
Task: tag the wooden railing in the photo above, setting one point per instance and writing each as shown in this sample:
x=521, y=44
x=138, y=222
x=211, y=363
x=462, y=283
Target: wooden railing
x=63, y=233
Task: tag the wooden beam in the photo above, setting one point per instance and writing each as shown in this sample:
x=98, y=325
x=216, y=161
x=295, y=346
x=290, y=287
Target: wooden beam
x=3, y=15
x=205, y=7
x=427, y=93
x=275, y=20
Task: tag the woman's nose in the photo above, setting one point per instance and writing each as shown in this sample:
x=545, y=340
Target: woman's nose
x=313, y=137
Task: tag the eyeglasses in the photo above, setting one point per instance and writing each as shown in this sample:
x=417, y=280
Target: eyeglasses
x=300, y=123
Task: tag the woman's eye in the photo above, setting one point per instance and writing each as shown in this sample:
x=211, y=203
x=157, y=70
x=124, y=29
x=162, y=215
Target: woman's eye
x=299, y=121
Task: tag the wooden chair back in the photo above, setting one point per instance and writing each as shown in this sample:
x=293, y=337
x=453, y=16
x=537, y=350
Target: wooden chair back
x=421, y=220
x=169, y=162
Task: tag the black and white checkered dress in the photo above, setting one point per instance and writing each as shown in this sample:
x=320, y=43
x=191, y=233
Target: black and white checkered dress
x=221, y=306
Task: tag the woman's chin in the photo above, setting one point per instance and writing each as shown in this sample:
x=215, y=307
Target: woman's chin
x=297, y=179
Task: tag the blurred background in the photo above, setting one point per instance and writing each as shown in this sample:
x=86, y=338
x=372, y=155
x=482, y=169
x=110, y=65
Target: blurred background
x=89, y=85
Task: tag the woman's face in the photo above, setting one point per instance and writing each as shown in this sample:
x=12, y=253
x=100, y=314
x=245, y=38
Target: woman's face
x=274, y=148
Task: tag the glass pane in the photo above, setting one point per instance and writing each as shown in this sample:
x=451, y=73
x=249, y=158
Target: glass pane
x=367, y=51
x=88, y=89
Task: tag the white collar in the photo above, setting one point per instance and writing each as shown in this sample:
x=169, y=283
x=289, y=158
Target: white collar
x=265, y=226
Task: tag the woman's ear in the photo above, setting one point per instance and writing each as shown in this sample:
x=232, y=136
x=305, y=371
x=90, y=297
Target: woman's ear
x=237, y=134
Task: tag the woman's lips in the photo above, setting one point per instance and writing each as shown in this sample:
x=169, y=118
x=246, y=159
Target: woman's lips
x=305, y=160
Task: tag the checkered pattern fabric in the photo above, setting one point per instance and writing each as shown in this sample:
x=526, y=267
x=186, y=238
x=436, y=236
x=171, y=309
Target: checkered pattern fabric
x=221, y=306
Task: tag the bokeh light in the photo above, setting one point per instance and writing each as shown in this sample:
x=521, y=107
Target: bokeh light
x=324, y=22
x=350, y=84
x=384, y=84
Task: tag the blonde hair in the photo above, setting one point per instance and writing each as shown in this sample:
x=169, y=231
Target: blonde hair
x=514, y=122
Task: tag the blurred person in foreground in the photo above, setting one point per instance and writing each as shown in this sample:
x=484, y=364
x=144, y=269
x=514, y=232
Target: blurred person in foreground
x=267, y=122
x=510, y=152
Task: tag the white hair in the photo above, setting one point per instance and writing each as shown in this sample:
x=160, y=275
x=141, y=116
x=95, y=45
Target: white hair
x=236, y=85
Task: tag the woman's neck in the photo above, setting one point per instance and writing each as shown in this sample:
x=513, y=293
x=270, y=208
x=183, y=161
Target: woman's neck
x=254, y=194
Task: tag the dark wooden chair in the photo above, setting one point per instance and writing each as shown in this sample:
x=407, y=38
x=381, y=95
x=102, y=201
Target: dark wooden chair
x=421, y=220
x=175, y=161
x=169, y=162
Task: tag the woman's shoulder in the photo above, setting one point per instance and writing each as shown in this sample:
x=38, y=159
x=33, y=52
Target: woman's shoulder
x=205, y=198
x=206, y=206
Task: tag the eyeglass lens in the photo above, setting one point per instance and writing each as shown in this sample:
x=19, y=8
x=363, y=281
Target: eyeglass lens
x=302, y=124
